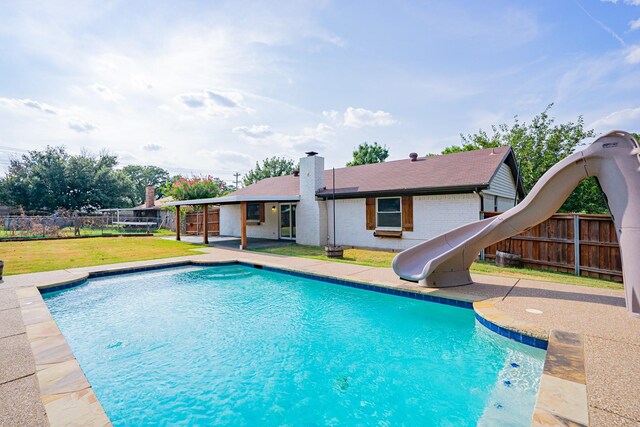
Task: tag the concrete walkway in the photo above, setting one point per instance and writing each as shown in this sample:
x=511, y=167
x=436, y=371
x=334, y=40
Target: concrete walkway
x=229, y=242
x=611, y=337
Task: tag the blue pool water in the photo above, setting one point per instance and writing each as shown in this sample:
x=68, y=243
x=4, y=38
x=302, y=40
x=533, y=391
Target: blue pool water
x=242, y=346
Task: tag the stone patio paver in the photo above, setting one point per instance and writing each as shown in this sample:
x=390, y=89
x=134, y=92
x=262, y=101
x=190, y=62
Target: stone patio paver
x=80, y=408
x=16, y=357
x=11, y=322
x=20, y=404
x=8, y=298
x=613, y=370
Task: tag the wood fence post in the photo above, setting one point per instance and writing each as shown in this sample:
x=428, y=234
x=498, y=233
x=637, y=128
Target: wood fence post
x=576, y=243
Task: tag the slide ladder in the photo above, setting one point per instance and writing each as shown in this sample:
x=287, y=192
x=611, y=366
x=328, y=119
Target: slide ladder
x=614, y=159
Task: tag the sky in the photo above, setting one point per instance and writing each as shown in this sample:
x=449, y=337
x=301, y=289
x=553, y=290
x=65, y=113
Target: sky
x=211, y=87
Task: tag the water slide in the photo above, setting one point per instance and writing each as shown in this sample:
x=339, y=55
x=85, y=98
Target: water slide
x=614, y=159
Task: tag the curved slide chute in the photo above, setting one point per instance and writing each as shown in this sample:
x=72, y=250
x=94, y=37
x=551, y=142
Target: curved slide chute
x=614, y=159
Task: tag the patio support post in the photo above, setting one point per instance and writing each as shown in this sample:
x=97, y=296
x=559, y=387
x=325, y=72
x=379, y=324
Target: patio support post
x=205, y=239
x=243, y=226
x=177, y=222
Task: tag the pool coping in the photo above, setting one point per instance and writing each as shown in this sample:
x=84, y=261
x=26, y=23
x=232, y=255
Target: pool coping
x=68, y=397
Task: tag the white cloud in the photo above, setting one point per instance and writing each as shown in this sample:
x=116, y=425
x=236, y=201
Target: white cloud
x=152, y=147
x=309, y=138
x=81, y=126
x=227, y=159
x=212, y=103
x=360, y=117
x=629, y=2
x=17, y=104
x=332, y=115
x=626, y=119
x=255, y=131
x=106, y=93
x=633, y=55
x=634, y=25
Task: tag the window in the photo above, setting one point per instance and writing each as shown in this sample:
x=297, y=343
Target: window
x=495, y=203
x=253, y=212
x=389, y=212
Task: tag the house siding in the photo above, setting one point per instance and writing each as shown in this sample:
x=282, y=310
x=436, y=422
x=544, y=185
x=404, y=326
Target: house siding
x=501, y=191
x=503, y=183
x=432, y=216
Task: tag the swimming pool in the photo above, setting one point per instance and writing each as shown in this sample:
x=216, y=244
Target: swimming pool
x=243, y=346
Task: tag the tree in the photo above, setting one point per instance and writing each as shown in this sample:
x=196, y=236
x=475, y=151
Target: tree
x=144, y=176
x=538, y=146
x=52, y=179
x=274, y=166
x=196, y=188
x=366, y=154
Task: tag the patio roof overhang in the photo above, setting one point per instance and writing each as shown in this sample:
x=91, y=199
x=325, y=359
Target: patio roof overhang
x=225, y=200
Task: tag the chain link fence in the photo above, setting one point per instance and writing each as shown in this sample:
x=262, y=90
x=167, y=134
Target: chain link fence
x=40, y=227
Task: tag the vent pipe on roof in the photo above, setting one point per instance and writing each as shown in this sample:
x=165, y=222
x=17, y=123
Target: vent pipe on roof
x=413, y=156
x=296, y=173
x=310, y=153
x=493, y=151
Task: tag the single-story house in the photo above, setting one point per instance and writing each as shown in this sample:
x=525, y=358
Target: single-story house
x=149, y=214
x=389, y=205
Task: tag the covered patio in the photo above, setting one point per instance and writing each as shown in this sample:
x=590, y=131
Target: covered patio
x=252, y=212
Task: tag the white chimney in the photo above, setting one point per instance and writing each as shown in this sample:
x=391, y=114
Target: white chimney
x=311, y=217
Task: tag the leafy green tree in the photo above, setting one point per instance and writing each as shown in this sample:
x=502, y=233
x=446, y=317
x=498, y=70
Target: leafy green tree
x=52, y=179
x=369, y=153
x=143, y=176
x=538, y=146
x=196, y=188
x=274, y=166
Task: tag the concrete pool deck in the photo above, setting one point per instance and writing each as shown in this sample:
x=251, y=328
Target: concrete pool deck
x=41, y=382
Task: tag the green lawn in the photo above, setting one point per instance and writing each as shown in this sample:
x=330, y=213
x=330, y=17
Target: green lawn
x=383, y=259
x=46, y=255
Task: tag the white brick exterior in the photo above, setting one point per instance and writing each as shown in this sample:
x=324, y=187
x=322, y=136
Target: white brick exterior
x=432, y=215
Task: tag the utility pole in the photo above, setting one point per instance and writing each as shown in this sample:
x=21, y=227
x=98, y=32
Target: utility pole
x=237, y=175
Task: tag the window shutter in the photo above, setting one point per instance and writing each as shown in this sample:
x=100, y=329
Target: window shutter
x=407, y=213
x=371, y=213
x=261, y=208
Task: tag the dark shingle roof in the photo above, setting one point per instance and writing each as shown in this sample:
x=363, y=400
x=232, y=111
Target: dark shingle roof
x=442, y=173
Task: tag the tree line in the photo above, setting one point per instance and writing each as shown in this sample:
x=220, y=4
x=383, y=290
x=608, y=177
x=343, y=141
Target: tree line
x=52, y=179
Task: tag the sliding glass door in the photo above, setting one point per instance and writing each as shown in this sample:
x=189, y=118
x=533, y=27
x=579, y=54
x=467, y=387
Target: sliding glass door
x=287, y=221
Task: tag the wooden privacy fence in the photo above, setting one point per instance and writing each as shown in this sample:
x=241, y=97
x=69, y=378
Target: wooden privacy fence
x=586, y=245
x=194, y=222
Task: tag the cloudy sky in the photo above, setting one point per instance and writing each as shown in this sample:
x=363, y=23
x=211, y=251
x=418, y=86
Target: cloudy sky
x=212, y=87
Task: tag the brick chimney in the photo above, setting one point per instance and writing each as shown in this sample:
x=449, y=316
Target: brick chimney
x=149, y=197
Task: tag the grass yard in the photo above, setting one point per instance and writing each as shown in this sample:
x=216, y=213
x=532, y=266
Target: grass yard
x=383, y=259
x=46, y=255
